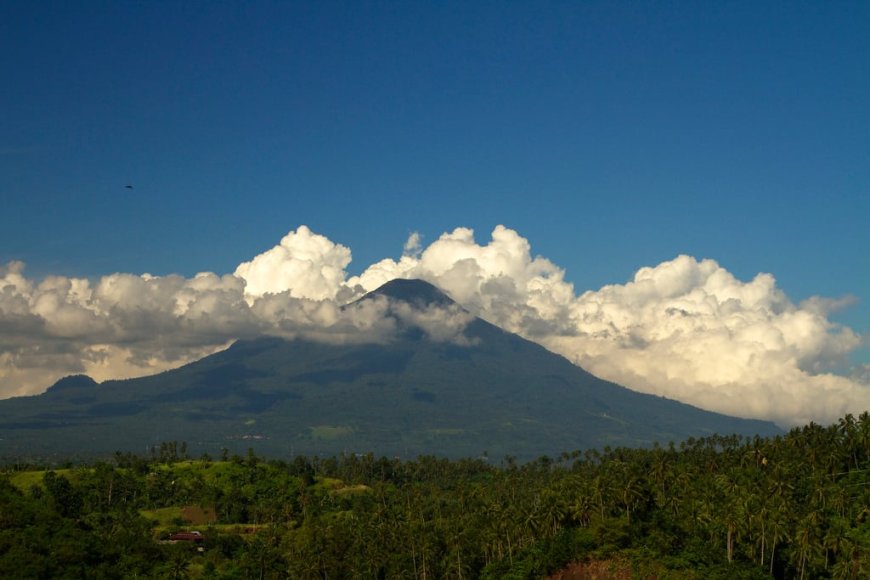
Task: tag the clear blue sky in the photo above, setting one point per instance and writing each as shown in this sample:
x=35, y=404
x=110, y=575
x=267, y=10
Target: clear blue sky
x=613, y=135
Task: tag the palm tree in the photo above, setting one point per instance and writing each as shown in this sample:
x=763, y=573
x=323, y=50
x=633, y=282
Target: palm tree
x=778, y=526
x=178, y=562
x=632, y=494
x=553, y=510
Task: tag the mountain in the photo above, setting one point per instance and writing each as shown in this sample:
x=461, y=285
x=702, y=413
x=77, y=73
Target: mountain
x=483, y=390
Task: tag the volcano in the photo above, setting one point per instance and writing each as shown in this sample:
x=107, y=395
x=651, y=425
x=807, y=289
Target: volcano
x=477, y=390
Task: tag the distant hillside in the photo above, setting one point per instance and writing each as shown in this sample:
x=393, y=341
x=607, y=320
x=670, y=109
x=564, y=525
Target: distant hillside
x=495, y=393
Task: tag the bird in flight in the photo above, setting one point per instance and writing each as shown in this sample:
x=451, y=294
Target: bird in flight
x=128, y=187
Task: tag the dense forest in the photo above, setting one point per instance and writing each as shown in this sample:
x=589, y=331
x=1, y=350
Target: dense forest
x=793, y=506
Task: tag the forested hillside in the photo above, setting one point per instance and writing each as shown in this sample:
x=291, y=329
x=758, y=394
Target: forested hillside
x=794, y=506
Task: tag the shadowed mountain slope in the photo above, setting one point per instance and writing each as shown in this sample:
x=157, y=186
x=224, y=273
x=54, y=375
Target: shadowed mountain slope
x=491, y=391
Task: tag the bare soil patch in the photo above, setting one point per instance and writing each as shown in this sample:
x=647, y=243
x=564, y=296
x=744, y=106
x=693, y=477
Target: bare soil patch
x=593, y=571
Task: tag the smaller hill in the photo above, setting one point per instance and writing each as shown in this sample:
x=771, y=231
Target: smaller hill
x=73, y=382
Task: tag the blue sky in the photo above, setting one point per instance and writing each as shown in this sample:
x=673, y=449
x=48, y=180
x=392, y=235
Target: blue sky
x=612, y=135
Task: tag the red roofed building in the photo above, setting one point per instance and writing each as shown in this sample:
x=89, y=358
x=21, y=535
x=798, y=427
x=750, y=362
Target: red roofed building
x=185, y=537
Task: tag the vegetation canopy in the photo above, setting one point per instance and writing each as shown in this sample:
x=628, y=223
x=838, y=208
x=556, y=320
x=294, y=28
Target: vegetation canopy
x=791, y=506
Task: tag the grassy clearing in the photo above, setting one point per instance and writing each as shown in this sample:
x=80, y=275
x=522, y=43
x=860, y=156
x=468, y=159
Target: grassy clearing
x=338, y=487
x=24, y=480
x=352, y=490
x=165, y=517
x=210, y=470
x=238, y=529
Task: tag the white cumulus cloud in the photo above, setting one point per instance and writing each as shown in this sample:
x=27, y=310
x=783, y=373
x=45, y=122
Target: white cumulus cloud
x=687, y=328
x=305, y=264
x=126, y=325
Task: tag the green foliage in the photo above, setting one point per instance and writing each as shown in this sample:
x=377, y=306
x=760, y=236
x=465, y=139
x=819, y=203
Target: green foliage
x=163, y=517
x=716, y=507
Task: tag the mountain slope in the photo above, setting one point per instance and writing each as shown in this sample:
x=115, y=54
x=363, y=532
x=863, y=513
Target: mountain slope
x=491, y=391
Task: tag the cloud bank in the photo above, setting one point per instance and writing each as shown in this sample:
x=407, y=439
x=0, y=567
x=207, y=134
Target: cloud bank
x=686, y=329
